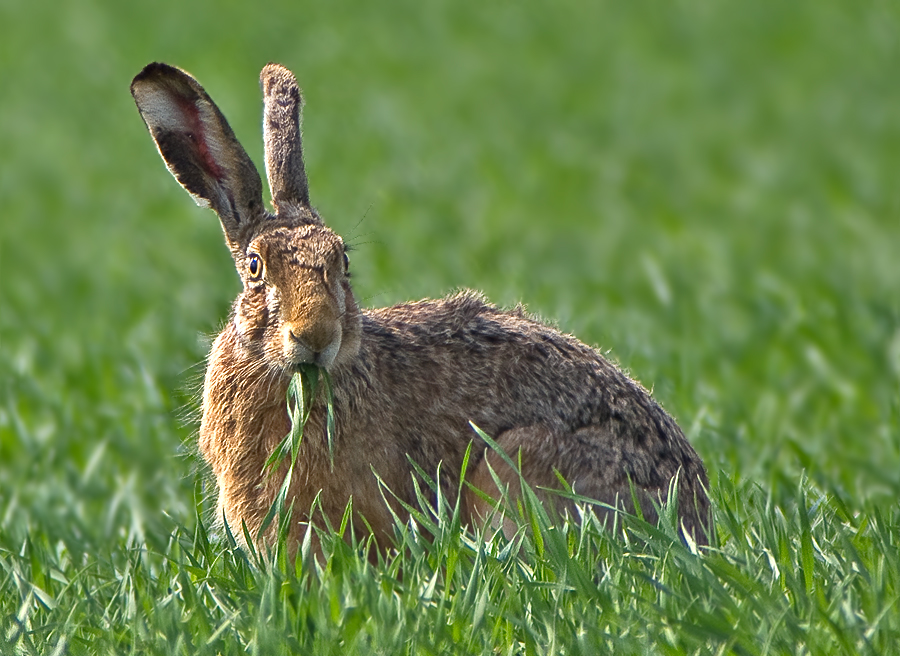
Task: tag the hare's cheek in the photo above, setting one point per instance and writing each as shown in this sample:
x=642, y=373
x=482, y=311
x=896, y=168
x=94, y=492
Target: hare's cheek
x=347, y=300
x=252, y=316
x=340, y=296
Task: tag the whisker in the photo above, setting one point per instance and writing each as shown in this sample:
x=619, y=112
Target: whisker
x=362, y=218
x=354, y=245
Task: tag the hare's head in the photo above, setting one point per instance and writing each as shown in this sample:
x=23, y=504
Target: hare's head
x=297, y=306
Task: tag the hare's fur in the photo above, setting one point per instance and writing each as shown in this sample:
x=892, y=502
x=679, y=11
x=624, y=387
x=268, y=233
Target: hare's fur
x=408, y=379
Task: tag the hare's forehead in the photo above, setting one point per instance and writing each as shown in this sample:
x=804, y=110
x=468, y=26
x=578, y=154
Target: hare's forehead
x=310, y=243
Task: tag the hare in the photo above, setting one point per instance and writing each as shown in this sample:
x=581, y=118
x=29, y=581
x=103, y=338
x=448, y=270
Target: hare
x=407, y=380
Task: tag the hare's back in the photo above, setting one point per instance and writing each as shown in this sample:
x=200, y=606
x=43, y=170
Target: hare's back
x=502, y=369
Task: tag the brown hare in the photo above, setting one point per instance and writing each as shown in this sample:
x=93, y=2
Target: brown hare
x=407, y=380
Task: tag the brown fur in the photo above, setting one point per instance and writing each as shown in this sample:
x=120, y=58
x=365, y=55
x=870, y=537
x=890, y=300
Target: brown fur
x=407, y=379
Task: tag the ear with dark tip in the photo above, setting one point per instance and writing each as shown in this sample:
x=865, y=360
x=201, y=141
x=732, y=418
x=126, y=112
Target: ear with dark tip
x=200, y=149
x=284, y=149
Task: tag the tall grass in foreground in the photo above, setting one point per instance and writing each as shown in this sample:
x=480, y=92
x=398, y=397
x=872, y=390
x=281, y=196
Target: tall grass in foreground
x=806, y=578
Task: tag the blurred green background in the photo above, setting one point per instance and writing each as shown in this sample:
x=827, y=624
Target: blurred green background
x=708, y=190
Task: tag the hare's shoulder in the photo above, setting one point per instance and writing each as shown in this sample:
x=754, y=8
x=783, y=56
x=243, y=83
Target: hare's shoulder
x=458, y=308
x=465, y=312
x=467, y=325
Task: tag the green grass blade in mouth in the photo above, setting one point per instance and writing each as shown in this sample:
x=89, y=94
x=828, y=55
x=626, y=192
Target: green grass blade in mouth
x=329, y=415
x=301, y=395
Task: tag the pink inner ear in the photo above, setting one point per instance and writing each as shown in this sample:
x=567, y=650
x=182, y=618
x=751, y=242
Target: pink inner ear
x=195, y=130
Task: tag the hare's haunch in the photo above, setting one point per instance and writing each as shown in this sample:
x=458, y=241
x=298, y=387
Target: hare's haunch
x=408, y=379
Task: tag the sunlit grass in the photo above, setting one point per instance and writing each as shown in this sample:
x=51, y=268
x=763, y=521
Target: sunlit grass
x=780, y=580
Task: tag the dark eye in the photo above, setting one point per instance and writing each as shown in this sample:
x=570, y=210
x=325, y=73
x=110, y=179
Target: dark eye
x=255, y=267
x=346, y=262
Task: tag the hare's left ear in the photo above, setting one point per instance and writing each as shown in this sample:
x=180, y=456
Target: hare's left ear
x=283, y=143
x=201, y=151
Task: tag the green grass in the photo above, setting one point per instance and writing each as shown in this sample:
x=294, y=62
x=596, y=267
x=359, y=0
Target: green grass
x=708, y=190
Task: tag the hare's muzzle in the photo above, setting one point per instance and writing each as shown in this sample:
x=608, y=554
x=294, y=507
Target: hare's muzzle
x=314, y=342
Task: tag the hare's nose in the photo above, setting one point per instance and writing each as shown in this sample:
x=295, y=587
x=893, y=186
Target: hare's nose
x=314, y=340
x=311, y=344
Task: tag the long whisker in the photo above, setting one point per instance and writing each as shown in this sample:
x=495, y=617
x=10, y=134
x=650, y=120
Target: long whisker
x=362, y=218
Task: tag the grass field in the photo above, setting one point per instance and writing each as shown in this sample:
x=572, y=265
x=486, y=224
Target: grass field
x=710, y=191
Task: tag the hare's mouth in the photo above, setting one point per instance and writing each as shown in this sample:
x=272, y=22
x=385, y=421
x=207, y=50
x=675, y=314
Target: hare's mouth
x=323, y=360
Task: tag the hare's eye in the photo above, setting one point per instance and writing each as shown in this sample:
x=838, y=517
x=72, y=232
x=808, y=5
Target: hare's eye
x=346, y=262
x=255, y=266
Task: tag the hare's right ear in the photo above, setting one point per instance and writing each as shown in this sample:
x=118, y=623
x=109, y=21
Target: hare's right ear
x=200, y=150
